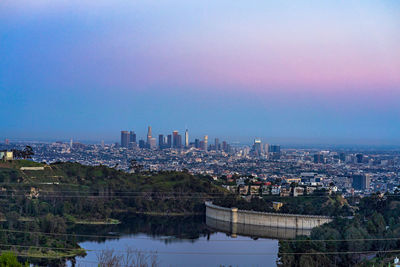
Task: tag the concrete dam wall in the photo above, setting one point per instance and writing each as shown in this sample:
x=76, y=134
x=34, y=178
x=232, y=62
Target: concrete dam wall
x=254, y=231
x=269, y=219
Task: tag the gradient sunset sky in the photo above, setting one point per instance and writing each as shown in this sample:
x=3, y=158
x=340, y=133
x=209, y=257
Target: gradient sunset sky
x=285, y=71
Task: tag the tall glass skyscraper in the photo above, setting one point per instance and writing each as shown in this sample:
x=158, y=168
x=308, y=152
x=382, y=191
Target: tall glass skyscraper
x=124, y=138
x=132, y=137
x=175, y=135
x=161, y=141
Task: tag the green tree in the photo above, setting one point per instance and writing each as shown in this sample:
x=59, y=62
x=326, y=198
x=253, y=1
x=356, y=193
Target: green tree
x=8, y=259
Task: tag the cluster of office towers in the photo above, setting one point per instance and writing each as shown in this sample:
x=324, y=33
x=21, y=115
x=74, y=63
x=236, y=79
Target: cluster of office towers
x=259, y=148
x=174, y=140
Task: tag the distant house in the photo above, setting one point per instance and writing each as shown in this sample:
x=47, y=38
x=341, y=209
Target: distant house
x=243, y=189
x=298, y=191
x=6, y=155
x=308, y=177
x=293, y=180
x=285, y=192
x=275, y=189
x=254, y=189
x=266, y=190
x=310, y=190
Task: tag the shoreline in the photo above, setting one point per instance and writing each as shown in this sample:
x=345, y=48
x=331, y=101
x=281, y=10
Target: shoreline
x=98, y=222
x=168, y=214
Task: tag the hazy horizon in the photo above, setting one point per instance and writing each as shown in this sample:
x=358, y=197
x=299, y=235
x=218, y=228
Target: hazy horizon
x=286, y=142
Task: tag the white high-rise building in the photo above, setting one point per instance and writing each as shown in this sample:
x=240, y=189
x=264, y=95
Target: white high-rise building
x=149, y=136
x=266, y=148
x=205, y=143
x=186, y=138
x=152, y=143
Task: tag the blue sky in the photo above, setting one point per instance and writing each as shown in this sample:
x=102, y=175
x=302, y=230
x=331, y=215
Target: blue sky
x=288, y=72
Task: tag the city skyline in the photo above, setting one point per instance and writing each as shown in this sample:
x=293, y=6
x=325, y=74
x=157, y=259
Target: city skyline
x=142, y=135
x=315, y=72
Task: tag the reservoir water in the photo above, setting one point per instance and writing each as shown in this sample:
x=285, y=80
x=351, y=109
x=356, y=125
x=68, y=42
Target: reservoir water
x=216, y=250
x=182, y=241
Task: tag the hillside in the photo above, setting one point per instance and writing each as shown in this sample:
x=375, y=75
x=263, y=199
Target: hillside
x=96, y=192
x=54, y=198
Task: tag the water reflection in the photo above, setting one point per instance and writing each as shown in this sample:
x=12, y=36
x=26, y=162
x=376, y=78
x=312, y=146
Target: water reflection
x=182, y=241
x=254, y=231
x=179, y=241
x=168, y=229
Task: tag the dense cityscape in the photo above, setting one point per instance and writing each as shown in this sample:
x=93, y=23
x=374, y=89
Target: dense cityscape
x=260, y=169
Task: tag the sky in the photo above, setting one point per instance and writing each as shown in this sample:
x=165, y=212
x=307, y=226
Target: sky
x=284, y=71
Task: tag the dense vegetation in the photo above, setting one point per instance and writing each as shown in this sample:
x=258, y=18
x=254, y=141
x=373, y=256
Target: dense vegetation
x=9, y=259
x=75, y=191
x=54, y=199
x=375, y=227
x=318, y=203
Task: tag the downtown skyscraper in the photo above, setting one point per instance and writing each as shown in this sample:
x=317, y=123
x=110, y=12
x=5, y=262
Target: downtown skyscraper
x=125, y=138
x=176, y=140
x=149, y=135
x=161, y=144
x=186, y=138
x=132, y=137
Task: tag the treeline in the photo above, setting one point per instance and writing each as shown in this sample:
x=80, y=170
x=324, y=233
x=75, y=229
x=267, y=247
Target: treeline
x=83, y=192
x=25, y=237
x=314, y=204
x=350, y=241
